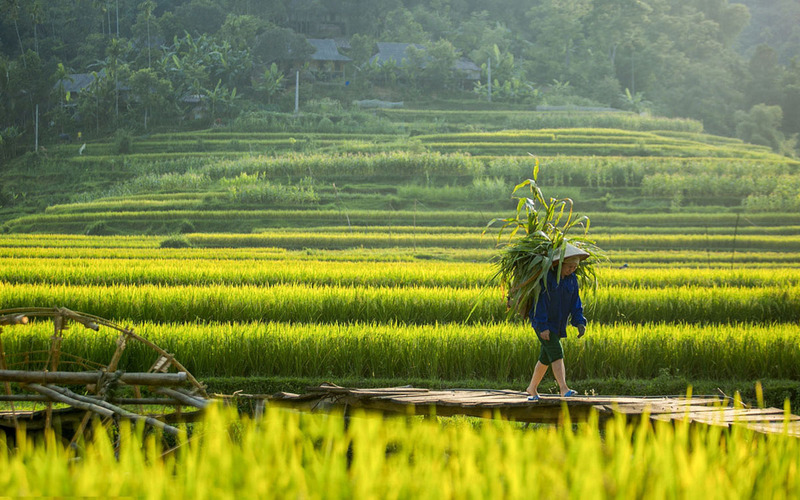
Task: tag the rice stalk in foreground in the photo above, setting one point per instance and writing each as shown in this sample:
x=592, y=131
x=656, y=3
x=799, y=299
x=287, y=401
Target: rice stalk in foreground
x=291, y=455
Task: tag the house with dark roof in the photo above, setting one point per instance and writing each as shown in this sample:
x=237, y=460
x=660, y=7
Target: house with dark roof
x=468, y=69
x=396, y=52
x=392, y=51
x=326, y=60
x=75, y=83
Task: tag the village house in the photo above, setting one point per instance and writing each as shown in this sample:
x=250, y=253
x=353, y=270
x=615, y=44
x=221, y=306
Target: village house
x=75, y=83
x=326, y=61
x=395, y=52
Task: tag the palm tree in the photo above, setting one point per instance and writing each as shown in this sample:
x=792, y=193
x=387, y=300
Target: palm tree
x=11, y=8
x=147, y=8
x=61, y=76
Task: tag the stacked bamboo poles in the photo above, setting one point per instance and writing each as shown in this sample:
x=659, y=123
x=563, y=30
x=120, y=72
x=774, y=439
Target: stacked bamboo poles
x=40, y=386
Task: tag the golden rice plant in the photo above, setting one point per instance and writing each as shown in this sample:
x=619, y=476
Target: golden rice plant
x=295, y=455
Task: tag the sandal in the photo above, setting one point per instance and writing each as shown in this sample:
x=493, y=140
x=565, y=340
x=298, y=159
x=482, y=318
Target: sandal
x=570, y=393
x=533, y=398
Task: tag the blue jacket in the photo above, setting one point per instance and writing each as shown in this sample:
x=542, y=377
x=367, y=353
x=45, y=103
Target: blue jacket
x=556, y=305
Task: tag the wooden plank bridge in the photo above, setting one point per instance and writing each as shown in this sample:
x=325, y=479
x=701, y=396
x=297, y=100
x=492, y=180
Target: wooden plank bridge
x=549, y=409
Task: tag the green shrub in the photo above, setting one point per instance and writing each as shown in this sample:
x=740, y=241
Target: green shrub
x=175, y=241
x=325, y=124
x=98, y=228
x=123, y=142
x=186, y=226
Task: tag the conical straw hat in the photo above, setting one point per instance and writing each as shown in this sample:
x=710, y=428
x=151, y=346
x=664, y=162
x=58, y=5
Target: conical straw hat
x=572, y=251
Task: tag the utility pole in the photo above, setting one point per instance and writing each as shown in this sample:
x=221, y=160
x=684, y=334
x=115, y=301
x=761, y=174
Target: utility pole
x=297, y=93
x=489, y=66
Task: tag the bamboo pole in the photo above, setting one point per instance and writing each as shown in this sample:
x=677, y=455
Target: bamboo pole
x=7, y=386
x=13, y=319
x=34, y=398
x=109, y=407
x=184, y=398
x=60, y=398
x=39, y=377
x=122, y=342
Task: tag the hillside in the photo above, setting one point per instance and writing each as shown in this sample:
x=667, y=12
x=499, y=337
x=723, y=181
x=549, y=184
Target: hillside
x=170, y=65
x=226, y=180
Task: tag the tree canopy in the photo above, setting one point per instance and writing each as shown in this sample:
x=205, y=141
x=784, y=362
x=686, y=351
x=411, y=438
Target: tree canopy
x=702, y=59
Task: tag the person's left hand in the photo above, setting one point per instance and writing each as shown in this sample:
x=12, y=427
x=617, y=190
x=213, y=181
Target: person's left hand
x=581, y=330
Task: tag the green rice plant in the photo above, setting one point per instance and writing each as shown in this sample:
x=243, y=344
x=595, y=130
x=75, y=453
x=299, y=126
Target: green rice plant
x=248, y=220
x=524, y=263
x=710, y=242
x=51, y=241
x=202, y=157
x=306, y=455
x=713, y=278
x=126, y=205
x=622, y=171
x=413, y=304
x=30, y=258
x=267, y=267
x=224, y=135
x=546, y=119
x=707, y=259
x=342, y=240
x=241, y=220
x=422, y=236
x=390, y=165
x=147, y=248
x=189, y=181
x=502, y=353
x=547, y=135
x=255, y=189
x=209, y=267
x=481, y=190
x=302, y=303
x=696, y=305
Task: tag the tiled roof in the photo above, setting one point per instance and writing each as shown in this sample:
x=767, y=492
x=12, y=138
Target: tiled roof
x=77, y=81
x=464, y=64
x=388, y=51
x=326, y=50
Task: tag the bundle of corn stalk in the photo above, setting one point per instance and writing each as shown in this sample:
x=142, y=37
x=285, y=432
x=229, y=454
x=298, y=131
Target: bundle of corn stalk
x=539, y=242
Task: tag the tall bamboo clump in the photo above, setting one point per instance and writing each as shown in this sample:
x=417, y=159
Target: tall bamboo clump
x=525, y=259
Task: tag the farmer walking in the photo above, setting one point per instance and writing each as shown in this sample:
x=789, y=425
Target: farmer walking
x=558, y=303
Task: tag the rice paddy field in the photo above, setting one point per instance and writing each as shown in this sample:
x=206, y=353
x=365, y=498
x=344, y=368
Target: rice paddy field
x=273, y=261
x=418, y=304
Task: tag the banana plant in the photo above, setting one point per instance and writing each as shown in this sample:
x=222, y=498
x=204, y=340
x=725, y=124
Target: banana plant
x=272, y=83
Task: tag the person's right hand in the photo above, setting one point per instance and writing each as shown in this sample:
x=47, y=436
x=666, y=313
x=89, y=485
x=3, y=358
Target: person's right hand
x=545, y=335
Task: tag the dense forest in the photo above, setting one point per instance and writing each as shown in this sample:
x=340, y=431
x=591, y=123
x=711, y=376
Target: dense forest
x=154, y=64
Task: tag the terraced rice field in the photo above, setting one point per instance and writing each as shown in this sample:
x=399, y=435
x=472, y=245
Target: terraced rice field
x=273, y=261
